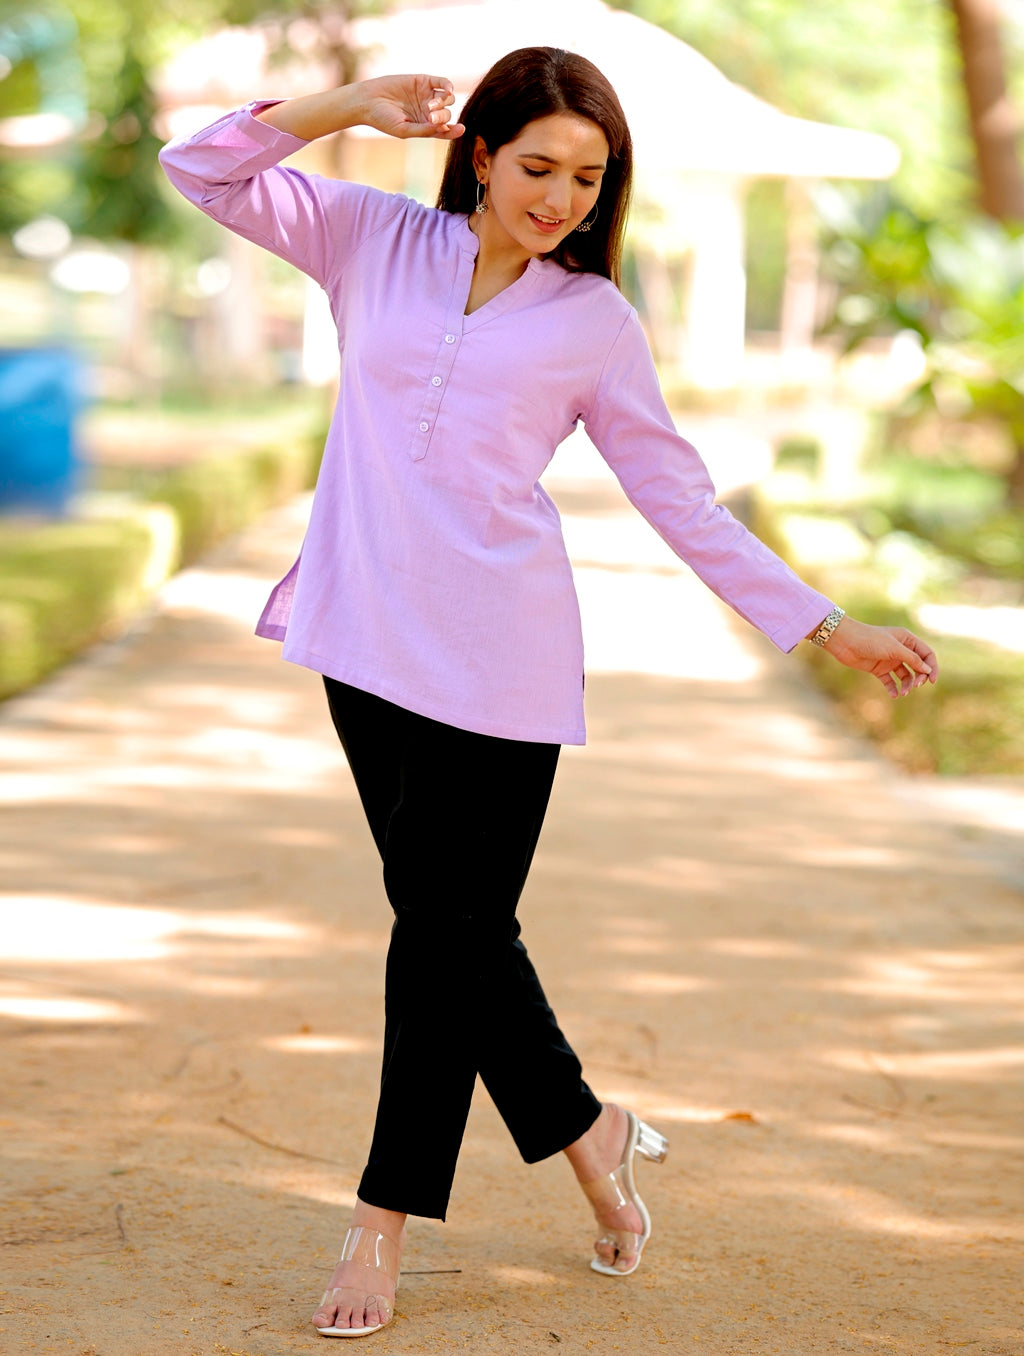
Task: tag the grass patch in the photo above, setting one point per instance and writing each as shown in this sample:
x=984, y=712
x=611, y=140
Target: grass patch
x=972, y=721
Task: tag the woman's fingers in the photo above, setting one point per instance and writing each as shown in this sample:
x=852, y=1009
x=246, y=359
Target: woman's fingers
x=912, y=664
x=924, y=652
x=442, y=94
x=439, y=110
x=438, y=126
x=898, y=682
x=436, y=123
x=899, y=660
x=915, y=663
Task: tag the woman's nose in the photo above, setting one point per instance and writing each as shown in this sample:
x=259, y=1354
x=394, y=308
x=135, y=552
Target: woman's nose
x=558, y=196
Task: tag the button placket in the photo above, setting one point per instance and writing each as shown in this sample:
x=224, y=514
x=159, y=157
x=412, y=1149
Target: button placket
x=437, y=382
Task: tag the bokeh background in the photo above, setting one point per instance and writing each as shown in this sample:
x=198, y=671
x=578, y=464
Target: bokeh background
x=826, y=252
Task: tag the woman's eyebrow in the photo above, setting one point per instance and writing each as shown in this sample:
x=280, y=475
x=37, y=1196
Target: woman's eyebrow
x=550, y=160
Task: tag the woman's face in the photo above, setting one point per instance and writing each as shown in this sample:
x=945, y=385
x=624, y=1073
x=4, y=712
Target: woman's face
x=541, y=185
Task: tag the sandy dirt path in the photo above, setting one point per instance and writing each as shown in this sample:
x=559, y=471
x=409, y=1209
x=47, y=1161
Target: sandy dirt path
x=800, y=965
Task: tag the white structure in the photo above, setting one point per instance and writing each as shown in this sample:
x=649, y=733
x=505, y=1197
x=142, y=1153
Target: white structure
x=698, y=139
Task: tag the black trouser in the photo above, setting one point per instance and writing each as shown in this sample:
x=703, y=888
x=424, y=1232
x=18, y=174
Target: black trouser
x=456, y=817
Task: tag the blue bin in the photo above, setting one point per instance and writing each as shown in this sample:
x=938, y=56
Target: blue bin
x=40, y=395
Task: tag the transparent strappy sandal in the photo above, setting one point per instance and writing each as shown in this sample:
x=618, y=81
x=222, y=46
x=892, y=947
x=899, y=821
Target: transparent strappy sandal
x=617, y=1190
x=376, y=1252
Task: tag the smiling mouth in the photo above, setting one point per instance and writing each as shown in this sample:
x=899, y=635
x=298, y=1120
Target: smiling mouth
x=545, y=221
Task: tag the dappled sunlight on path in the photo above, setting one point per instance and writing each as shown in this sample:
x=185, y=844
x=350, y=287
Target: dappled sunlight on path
x=757, y=934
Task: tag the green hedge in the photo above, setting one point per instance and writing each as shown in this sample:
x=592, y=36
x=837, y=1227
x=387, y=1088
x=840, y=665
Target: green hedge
x=212, y=499
x=66, y=585
x=972, y=721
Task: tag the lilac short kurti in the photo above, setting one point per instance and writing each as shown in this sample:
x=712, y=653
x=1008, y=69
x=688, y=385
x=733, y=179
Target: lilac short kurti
x=433, y=572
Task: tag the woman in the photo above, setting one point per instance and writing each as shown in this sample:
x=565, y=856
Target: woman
x=434, y=594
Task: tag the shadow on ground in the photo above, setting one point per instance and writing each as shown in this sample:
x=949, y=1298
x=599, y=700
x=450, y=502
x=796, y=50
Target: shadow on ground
x=754, y=931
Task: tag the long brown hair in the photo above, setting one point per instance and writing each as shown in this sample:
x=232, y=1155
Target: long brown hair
x=532, y=83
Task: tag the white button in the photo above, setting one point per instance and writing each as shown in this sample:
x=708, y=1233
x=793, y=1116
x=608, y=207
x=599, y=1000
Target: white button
x=424, y=426
x=449, y=338
x=435, y=381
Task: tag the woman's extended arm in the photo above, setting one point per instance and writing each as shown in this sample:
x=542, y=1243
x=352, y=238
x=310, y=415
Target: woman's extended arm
x=666, y=480
x=400, y=105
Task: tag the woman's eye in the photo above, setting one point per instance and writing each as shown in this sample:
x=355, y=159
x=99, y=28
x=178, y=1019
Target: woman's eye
x=534, y=174
x=586, y=183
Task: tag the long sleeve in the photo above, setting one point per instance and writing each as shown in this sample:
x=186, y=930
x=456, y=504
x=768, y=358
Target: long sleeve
x=434, y=572
x=230, y=171
x=666, y=480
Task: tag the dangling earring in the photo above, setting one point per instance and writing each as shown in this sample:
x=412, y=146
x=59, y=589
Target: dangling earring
x=587, y=222
x=481, y=198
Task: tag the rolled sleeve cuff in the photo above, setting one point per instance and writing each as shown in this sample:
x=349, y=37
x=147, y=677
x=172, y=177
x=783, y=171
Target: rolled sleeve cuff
x=808, y=619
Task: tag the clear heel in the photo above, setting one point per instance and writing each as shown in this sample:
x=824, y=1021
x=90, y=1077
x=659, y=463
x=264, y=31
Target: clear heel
x=617, y=1191
x=651, y=1143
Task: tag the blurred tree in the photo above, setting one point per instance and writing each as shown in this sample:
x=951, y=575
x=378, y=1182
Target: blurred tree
x=995, y=126
x=914, y=257
x=117, y=195
x=958, y=287
x=108, y=185
x=91, y=55
x=320, y=29
x=324, y=27
x=40, y=74
x=980, y=271
x=39, y=69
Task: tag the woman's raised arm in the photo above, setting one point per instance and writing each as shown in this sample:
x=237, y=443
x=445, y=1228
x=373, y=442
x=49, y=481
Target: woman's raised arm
x=400, y=105
x=231, y=171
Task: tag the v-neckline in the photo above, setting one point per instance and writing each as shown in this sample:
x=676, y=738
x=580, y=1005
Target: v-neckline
x=501, y=301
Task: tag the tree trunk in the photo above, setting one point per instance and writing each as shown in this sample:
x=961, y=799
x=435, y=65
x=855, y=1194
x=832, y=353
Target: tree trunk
x=993, y=120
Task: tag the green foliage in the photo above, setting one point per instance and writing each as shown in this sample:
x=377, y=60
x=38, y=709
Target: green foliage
x=43, y=75
x=972, y=721
x=30, y=188
x=42, y=70
x=932, y=492
x=119, y=194
x=21, y=91
x=996, y=544
x=800, y=453
x=108, y=184
x=940, y=523
x=215, y=497
x=92, y=56
x=959, y=288
x=64, y=586
x=765, y=253
x=957, y=508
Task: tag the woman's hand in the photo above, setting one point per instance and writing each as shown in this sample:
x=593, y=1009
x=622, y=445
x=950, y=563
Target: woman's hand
x=409, y=106
x=400, y=105
x=900, y=660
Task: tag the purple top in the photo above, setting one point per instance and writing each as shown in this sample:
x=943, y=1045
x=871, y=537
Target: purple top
x=433, y=572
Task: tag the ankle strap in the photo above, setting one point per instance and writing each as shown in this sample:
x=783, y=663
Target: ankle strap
x=370, y=1248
